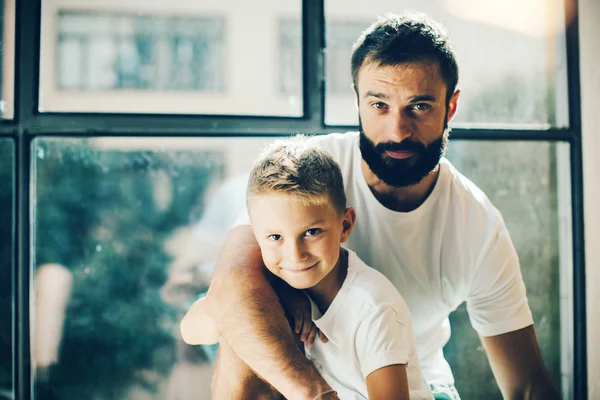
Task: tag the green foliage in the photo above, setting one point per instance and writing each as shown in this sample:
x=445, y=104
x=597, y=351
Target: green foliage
x=97, y=214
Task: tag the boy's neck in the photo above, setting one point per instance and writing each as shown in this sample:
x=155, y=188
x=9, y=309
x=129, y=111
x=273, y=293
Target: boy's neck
x=325, y=291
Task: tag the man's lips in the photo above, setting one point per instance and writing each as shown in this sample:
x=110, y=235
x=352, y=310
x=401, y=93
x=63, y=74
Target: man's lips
x=400, y=154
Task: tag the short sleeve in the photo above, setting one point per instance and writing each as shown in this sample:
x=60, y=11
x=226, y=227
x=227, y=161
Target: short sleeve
x=497, y=301
x=382, y=340
x=243, y=218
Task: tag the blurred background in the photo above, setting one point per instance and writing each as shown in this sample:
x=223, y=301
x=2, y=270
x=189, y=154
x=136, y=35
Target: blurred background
x=126, y=230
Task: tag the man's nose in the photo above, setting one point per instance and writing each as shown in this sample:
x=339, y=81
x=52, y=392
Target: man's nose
x=401, y=126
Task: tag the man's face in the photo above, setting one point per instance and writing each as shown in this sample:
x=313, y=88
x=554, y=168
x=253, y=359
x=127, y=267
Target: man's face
x=299, y=243
x=404, y=117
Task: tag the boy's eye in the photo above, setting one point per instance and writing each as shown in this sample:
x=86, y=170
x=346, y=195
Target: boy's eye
x=275, y=237
x=313, y=232
x=379, y=105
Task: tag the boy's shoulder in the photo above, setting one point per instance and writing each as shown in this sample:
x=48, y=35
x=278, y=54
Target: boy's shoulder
x=369, y=290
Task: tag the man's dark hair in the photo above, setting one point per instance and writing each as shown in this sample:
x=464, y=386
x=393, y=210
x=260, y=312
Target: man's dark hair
x=411, y=37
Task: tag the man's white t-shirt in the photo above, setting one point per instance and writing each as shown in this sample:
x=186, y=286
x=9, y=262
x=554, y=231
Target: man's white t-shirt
x=369, y=327
x=453, y=248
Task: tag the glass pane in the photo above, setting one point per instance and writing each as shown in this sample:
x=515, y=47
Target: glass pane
x=7, y=52
x=511, y=58
x=179, y=58
x=6, y=245
x=531, y=188
x=129, y=229
x=126, y=232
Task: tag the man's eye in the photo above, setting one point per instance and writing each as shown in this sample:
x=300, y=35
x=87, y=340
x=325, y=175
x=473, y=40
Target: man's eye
x=313, y=232
x=275, y=237
x=421, y=106
x=379, y=105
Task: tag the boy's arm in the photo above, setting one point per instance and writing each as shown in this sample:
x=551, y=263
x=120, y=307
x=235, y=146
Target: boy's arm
x=388, y=383
x=249, y=316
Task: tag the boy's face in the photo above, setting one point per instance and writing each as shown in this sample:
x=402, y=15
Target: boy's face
x=299, y=243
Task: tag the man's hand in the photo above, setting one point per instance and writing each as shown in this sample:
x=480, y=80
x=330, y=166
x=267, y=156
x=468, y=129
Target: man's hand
x=517, y=365
x=296, y=304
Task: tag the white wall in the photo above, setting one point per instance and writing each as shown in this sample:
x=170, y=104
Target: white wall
x=589, y=32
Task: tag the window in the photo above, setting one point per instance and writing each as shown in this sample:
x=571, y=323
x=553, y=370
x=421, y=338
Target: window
x=102, y=51
x=531, y=190
x=6, y=267
x=178, y=57
x=290, y=57
x=7, y=52
x=129, y=160
x=512, y=68
x=127, y=232
x=340, y=37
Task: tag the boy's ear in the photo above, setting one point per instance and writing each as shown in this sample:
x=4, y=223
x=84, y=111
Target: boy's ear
x=347, y=223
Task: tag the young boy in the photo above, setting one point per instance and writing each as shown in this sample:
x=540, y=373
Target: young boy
x=298, y=213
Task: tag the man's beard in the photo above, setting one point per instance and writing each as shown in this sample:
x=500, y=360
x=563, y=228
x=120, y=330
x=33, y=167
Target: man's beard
x=403, y=172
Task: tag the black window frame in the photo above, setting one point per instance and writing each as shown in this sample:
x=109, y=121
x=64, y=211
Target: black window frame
x=28, y=124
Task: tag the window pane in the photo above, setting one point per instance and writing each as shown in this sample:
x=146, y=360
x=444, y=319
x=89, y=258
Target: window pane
x=511, y=57
x=129, y=229
x=126, y=233
x=7, y=52
x=529, y=183
x=181, y=58
x=6, y=246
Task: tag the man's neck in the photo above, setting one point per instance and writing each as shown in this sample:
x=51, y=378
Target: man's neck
x=325, y=291
x=404, y=199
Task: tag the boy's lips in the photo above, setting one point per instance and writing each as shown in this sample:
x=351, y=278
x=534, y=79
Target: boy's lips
x=301, y=270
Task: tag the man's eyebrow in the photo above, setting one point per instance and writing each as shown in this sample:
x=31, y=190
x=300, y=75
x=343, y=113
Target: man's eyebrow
x=423, y=97
x=376, y=94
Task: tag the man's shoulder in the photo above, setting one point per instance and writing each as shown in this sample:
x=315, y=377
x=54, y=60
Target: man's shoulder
x=338, y=144
x=467, y=198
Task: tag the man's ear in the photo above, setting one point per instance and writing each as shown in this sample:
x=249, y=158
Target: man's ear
x=453, y=105
x=348, y=223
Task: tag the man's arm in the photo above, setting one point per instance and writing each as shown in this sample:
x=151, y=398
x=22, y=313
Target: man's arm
x=518, y=367
x=250, y=318
x=388, y=383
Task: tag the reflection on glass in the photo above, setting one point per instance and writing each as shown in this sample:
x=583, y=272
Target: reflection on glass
x=512, y=70
x=128, y=230
x=522, y=180
x=7, y=52
x=182, y=57
x=129, y=51
x=6, y=294
x=126, y=233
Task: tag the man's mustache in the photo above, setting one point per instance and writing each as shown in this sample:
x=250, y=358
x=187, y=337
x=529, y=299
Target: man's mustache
x=405, y=145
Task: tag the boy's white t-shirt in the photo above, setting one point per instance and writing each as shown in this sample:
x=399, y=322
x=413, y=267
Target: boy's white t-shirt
x=369, y=327
x=453, y=248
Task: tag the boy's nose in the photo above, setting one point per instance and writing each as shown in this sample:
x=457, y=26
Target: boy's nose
x=297, y=253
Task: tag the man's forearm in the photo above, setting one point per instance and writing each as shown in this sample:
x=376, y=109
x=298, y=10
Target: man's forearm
x=250, y=318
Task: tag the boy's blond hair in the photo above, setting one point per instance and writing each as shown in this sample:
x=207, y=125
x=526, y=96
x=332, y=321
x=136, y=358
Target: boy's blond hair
x=298, y=168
